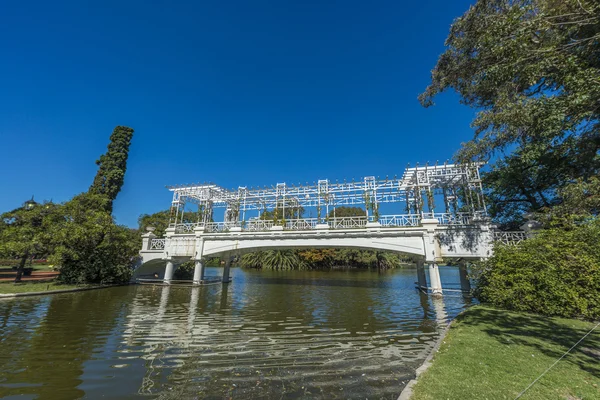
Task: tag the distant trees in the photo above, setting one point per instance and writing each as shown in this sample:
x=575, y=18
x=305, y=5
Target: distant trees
x=346, y=211
x=160, y=221
x=323, y=258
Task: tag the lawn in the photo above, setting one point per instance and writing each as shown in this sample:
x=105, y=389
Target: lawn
x=25, y=287
x=35, y=267
x=495, y=354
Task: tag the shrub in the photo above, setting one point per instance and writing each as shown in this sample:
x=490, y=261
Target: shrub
x=557, y=272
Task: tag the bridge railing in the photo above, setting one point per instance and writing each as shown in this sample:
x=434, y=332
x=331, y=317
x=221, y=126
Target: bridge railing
x=303, y=224
x=157, y=244
x=258, y=225
x=347, y=222
x=187, y=227
x=400, y=220
x=510, y=237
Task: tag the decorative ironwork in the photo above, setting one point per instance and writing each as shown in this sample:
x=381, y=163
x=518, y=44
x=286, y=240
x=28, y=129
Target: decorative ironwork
x=456, y=186
x=400, y=220
x=510, y=237
x=157, y=244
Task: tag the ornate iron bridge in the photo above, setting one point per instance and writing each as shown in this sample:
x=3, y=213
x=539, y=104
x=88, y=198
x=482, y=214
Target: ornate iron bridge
x=433, y=212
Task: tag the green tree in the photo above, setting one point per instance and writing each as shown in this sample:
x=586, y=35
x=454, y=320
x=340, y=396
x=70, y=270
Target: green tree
x=90, y=247
x=532, y=68
x=112, y=165
x=24, y=233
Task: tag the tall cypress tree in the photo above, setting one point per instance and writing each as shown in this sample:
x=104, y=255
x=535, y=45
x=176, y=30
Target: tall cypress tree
x=112, y=165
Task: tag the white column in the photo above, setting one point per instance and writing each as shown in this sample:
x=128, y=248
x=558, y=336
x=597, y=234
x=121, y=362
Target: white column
x=434, y=279
x=169, y=272
x=226, y=269
x=441, y=316
x=421, y=277
x=198, y=272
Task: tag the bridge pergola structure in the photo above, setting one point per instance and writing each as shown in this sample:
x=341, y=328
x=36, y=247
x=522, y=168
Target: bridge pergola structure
x=443, y=216
x=450, y=192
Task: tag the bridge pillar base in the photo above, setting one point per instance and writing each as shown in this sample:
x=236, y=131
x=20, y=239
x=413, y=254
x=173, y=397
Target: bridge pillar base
x=421, y=278
x=465, y=283
x=435, y=280
x=198, y=272
x=169, y=272
x=226, y=278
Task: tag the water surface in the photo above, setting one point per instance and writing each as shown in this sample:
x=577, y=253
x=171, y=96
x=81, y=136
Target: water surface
x=268, y=334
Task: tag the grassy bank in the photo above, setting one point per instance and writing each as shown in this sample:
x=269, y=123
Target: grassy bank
x=27, y=287
x=35, y=267
x=495, y=354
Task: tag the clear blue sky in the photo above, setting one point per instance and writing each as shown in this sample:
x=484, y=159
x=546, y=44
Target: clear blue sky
x=238, y=93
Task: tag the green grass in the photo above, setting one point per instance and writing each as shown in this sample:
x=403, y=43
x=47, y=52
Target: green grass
x=27, y=287
x=495, y=354
x=35, y=267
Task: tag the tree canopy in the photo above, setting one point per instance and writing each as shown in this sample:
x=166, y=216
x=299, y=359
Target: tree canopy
x=532, y=69
x=112, y=165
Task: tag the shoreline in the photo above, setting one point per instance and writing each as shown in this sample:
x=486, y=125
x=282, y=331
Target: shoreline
x=407, y=392
x=24, y=294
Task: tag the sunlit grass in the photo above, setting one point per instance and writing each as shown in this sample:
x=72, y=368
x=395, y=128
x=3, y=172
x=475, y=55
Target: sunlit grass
x=495, y=354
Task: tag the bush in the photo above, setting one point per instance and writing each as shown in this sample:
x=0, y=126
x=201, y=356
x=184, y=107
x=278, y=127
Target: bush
x=555, y=273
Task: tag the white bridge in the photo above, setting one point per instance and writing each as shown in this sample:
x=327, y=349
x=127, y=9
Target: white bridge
x=462, y=231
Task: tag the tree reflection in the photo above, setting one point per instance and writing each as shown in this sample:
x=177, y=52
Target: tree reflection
x=52, y=358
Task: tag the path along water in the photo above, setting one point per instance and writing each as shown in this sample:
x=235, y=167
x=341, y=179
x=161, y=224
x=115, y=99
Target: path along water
x=268, y=334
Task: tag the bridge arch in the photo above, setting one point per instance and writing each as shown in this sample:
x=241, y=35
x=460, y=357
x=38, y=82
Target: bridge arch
x=410, y=245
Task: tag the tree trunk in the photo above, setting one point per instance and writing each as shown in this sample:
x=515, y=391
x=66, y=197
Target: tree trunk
x=21, y=268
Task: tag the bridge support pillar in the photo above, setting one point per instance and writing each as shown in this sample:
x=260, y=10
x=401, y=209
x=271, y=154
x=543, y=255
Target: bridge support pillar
x=226, y=270
x=421, y=278
x=465, y=283
x=169, y=272
x=198, y=272
x=434, y=279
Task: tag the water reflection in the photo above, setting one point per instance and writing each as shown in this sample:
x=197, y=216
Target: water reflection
x=268, y=334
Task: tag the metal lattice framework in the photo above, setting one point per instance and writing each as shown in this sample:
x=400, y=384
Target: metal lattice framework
x=456, y=188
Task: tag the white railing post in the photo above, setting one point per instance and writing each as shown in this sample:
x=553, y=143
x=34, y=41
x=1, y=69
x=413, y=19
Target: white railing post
x=147, y=240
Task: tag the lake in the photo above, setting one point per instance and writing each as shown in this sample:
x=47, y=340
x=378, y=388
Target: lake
x=267, y=334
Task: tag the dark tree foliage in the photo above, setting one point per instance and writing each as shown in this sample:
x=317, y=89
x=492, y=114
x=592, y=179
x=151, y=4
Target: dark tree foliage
x=112, y=165
x=532, y=68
